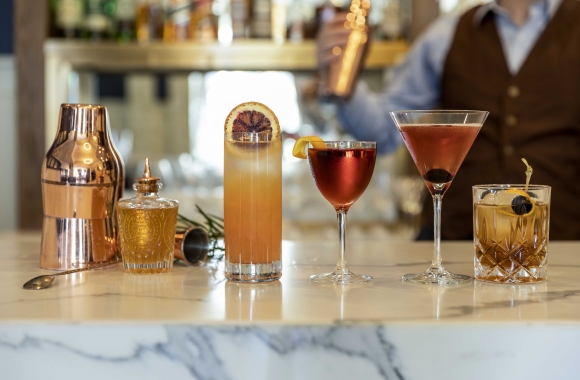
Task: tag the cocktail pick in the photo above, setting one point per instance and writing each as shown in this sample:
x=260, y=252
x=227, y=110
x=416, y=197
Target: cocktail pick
x=529, y=172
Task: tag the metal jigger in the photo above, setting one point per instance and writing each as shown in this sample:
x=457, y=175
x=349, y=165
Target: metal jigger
x=82, y=179
x=191, y=246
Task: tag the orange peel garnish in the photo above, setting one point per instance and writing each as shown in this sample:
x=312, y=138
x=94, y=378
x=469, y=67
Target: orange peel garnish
x=299, y=150
x=522, y=193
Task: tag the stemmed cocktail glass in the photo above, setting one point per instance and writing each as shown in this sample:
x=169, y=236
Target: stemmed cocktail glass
x=342, y=171
x=438, y=142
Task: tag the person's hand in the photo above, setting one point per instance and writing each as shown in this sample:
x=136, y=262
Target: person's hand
x=331, y=40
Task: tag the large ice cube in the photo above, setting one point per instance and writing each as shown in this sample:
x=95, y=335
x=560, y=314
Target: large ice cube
x=489, y=198
x=504, y=198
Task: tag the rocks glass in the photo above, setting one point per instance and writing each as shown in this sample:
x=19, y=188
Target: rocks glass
x=511, y=227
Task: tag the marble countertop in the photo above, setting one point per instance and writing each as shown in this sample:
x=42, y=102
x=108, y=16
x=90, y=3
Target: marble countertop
x=192, y=324
x=201, y=296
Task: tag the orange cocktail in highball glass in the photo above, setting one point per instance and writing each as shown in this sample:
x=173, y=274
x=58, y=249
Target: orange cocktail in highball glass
x=252, y=194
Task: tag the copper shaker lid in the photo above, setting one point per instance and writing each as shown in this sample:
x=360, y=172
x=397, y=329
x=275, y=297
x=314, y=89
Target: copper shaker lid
x=82, y=118
x=81, y=152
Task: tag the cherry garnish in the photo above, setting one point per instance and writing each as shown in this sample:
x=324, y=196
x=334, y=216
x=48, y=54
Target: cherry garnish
x=438, y=176
x=521, y=205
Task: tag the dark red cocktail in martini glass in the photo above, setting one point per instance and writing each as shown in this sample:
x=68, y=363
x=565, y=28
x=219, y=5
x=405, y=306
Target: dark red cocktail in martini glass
x=438, y=142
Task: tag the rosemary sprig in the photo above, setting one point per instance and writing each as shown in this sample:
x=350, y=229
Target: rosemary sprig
x=214, y=225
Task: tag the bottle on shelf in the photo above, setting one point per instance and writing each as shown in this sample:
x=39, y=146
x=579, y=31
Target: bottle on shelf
x=203, y=22
x=125, y=14
x=68, y=18
x=223, y=12
x=296, y=23
x=261, y=24
x=96, y=22
x=176, y=24
x=392, y=26
x=210, y=20
x=110, y=9
x=279, y=16
x=240, y=14
x=148, y=20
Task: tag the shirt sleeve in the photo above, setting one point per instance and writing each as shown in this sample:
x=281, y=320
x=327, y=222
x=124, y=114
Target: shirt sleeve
x=416, y=85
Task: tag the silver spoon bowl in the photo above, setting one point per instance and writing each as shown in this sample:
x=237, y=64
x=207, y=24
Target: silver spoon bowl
x=44, y=281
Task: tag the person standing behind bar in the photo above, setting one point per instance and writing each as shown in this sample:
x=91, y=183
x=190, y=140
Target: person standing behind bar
x=517, y=59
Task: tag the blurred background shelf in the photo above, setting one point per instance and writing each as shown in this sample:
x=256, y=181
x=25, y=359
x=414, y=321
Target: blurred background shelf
x=65, y=57
x=163, y=93
x=165, y=99
x=190, y=56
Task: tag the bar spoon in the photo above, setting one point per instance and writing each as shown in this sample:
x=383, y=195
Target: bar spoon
x=44, y=281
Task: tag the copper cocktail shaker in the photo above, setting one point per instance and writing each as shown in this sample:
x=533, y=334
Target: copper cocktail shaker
x=341, y=75
x=82, y=180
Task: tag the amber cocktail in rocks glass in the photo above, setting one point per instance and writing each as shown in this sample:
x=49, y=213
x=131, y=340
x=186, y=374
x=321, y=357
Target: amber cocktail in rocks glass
x=342, y=171
x=511, y=225
x=438, y=142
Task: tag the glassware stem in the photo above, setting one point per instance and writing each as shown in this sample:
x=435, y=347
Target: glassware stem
x=436, y=259
x=437, y=274
x=341, y=218
x=341, y=274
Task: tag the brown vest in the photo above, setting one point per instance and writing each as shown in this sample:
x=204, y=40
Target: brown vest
x=534, y=114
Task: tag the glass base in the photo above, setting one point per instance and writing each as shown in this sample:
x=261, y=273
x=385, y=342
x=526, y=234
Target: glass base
x=343, y=277
x=437, y=276
x=148, y=268
x=513, y=273
x=253, y=272
x=509, y=281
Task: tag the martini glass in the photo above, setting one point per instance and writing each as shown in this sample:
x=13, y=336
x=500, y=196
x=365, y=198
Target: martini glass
x=342, y=171
x=438, y=142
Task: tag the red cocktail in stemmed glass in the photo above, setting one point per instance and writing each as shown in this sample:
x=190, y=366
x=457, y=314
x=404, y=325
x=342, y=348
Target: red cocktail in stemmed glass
x=342, y=171
x=438, y=142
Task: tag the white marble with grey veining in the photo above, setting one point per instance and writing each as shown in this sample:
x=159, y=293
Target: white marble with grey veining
x=191, y=324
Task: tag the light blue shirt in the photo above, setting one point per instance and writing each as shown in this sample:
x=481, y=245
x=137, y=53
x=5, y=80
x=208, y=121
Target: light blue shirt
x=417, y=81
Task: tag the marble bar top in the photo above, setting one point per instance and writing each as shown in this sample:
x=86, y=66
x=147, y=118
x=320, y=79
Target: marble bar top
x=194, y=324
x=201, y=296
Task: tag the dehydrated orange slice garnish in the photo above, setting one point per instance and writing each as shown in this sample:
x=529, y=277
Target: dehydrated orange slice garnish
x=252, y=117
